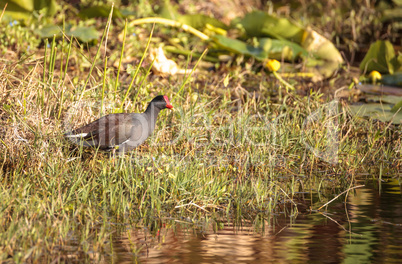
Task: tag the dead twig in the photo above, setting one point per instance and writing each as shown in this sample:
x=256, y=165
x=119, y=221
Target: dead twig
x=340, y=195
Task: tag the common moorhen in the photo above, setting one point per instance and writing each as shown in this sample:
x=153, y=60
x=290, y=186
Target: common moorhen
x=122, y=132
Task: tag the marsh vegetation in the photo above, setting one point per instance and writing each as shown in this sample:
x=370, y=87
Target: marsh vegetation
x=239, y=148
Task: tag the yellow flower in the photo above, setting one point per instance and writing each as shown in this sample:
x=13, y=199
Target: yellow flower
x=375, y=75
x=273, y=65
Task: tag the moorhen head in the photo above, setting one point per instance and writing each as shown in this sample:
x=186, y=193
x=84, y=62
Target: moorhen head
x=121, y=132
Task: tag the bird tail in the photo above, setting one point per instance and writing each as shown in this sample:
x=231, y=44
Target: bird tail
x=79, y=139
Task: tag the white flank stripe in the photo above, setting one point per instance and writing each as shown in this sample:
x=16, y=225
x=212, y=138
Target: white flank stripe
x=125, y=141
x=77, y=135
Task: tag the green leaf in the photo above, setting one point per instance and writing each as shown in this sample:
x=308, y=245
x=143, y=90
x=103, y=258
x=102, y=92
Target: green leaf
x=22, y=9
x=100, y=11
x=397, y=107
x=49, y=5
x=397, y=62
x=274, y=49
x=321, y=47
x=48, y=31
x=85, y=34
x=200, y=21
x=261, y=24
x=19, y=5
x=239, y=47
x=197, y=21
x=168, y=11
x=379, y=58
x=127, y=12
x=278, y=49
x=268, y=48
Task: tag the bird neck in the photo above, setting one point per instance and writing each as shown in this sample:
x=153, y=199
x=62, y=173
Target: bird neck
x=152, y=112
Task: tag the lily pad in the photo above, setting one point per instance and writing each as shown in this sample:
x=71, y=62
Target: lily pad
x=385, y=99
x=377, y=111
x=392, y=79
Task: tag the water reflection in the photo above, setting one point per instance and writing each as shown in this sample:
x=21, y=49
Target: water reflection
x=367, y=230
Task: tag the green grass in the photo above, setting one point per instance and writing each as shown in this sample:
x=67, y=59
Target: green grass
x=224, y=155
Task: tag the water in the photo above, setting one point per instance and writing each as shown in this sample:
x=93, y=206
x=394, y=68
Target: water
x=366, y=229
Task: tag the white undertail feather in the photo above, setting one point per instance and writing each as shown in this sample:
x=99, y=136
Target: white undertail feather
x=77, y=139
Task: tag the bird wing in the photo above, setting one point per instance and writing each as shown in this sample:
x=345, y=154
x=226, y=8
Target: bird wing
x=106, y=132
x=122, y=130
